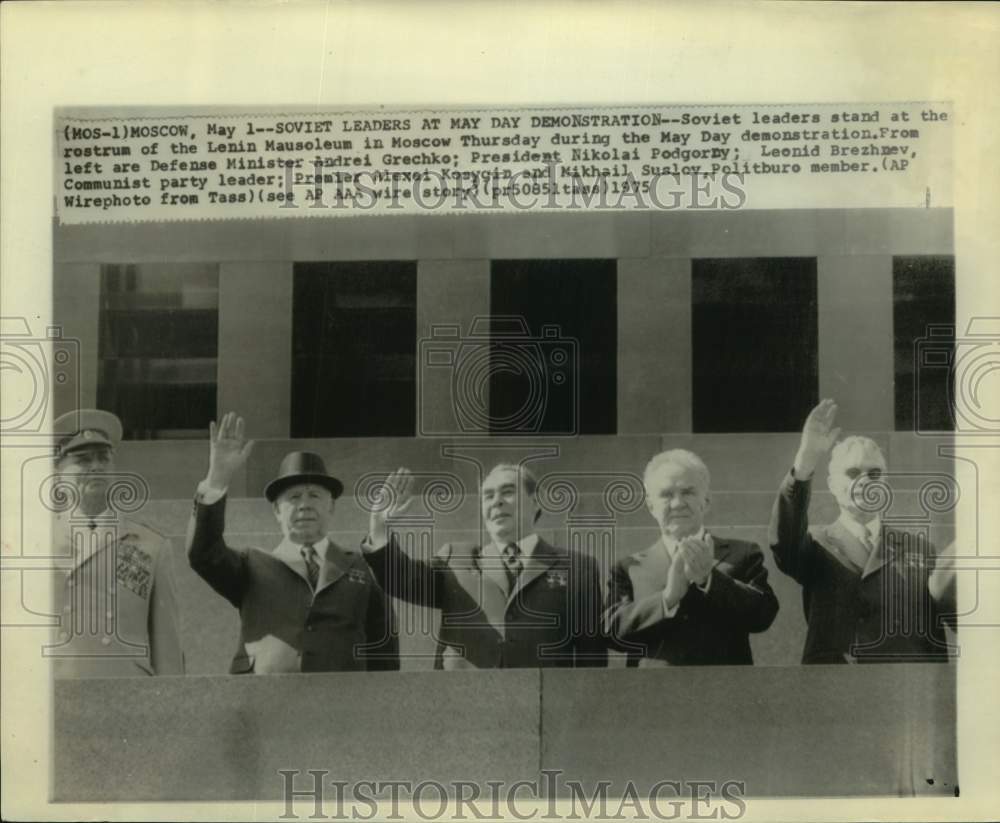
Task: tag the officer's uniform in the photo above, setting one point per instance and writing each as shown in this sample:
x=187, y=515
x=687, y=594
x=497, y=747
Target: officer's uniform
x=112, y=584
x=118, y=615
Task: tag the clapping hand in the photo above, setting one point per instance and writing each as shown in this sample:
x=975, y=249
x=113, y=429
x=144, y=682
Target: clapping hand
x=699, y=559
x=677, y=581
x=228, y=450
x=818, y=437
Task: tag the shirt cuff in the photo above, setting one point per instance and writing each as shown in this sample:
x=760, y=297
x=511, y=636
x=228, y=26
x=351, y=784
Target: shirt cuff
x=708, y=584
x=797, y=478
x=368, y=546
x=207, y=495
x=669, y=611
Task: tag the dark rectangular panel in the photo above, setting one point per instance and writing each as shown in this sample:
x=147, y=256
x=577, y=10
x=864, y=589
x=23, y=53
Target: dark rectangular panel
x=354, y=329
x=158, y=347
x=553, y=364
x=923, y=326
x=754, y=343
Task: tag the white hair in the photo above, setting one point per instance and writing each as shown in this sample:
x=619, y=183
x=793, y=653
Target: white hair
x=677, y=457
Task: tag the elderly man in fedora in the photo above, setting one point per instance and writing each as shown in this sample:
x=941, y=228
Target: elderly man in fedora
x=307, y=606
x=114, y=589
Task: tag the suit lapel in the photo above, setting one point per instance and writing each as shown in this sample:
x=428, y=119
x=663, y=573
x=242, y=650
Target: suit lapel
x=649, y=574
x=844, y=547
x=877, y=559
x=289, y=554
x=492, y=585
x=477, y=574
x=493, y=571
x=720, y=549
x=541, y=560
x=334, y=566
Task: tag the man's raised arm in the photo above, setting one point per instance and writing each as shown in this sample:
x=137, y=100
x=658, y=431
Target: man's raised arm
x=216, y=563
x=400, y=575
x=789, y=527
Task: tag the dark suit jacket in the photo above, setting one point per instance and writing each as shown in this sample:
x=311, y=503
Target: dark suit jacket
x=347, y=626
x=550, y=618
x=883, y=613
x=712, y=628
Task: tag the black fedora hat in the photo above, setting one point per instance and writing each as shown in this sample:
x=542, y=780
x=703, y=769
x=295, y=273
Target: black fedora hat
x=302, y=467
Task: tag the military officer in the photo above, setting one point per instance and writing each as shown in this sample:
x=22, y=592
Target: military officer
x=113, y=582
x=309, y=605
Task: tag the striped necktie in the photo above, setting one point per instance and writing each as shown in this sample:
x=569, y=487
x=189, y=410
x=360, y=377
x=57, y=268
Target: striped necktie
x=512, y=564
x=312, y=564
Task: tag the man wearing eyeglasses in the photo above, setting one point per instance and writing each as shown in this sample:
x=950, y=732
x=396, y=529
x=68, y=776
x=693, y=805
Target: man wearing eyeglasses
x=870, y=593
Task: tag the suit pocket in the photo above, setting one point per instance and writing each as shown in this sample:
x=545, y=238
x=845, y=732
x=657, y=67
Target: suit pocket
x=242, y=664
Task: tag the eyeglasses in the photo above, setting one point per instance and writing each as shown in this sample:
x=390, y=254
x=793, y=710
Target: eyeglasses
x=872, y=474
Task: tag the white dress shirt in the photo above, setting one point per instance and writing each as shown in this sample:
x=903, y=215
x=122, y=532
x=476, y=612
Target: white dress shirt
x=208, y=495
x=868, y=535
x=526, y=544
x=291, y=548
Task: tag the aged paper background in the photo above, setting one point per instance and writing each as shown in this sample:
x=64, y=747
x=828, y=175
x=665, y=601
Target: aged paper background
x=440, y=53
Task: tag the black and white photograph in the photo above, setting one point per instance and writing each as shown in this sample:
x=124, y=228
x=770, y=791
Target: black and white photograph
x=564, y=453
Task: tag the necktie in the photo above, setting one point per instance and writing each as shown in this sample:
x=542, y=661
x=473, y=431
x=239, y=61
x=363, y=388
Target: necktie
x=512, y=564
x=312, y=565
